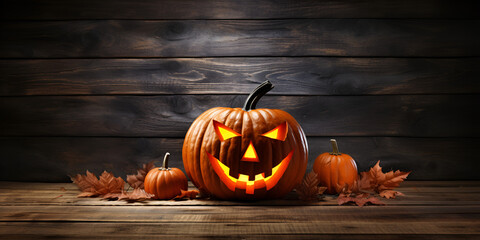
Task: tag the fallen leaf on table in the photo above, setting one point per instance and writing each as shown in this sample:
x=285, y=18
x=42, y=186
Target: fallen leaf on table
x=137, y=180
x=87, y=184
x=390, y=194
x=358, y=199
x=137, y=195
x=192, y=194
x=91, y=186
x=309, y=190
x=110, y=184
x=111, y=196
x=378, y=181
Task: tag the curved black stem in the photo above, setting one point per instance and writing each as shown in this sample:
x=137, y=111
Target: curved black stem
x=255, y=96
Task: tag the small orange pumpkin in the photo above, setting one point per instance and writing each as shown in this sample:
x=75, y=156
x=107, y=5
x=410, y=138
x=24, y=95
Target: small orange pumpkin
x=164, y=182
x=335, y=169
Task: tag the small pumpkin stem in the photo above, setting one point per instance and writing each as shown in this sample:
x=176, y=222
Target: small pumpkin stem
x=335, y=147
x=165, y=161
x=255, y=96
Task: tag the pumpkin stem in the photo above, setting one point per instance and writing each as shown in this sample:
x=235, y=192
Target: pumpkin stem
x=255, y=96
x=165, y=161
x=335, y=147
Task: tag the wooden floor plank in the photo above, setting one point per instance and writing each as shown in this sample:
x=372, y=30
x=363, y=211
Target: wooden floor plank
x=384, y=236
x=65, y=194
x=96, y=229
x=442, y=210
x=237, y=214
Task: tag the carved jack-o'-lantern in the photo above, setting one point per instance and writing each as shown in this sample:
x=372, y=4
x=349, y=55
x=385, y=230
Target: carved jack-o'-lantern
x=248, y=153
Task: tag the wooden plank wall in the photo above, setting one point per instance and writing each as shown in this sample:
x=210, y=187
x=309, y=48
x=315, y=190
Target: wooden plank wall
x=114, y=84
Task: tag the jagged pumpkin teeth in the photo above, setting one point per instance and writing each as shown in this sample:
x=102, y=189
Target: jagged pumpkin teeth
x=235, y=153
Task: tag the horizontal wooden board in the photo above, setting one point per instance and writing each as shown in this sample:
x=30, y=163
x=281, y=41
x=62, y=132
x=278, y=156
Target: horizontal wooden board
x=386, y=236
x=172, y=115
x=243, y=214
x=130, y=230
x=230, y=9
x=200, y=38
x=53, y=159
x=291, y=76
x=410, y=186
x=69, y=198
x=29, y=211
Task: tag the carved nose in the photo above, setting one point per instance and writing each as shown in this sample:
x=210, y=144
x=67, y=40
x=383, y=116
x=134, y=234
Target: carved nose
x=250, y=155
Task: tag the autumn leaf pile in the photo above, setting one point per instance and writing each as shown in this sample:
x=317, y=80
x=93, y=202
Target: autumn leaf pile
x=107, y=186
x=362, y=192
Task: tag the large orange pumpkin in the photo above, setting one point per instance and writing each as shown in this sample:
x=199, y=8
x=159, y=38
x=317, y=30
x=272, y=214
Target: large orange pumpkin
x=335, y=169
x=234, y=153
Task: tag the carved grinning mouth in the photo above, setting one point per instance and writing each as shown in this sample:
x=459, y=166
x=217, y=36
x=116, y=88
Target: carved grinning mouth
x=242, y=181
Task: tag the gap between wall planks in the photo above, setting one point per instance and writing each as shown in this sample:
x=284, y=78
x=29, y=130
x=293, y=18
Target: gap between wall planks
x=232, y=9
x=399, y=80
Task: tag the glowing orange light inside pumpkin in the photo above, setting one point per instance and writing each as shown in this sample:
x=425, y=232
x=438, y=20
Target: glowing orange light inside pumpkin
x=224, y=132
x=242, y=181
x=278, y=133
x=250, y=155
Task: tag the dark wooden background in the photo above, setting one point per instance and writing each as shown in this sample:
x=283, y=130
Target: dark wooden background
x=113, y=84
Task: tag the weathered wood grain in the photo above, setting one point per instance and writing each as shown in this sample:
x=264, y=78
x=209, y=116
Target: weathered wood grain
x=199, y=38
x=37, y=215
x=172, y=115
x=244, y=214
x=66, y=229
x=69, y=198
x=53, y=159
x=247, y=9
x=291, y=76
x=385, y=236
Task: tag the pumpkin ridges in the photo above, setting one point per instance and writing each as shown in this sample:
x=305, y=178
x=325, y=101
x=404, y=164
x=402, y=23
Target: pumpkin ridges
x=269, y=154
x=208, y=145
x=251, y=129
x=198, y=133
x=334, y=171
x=226, y=155
x=162, y=183
x=299, y=143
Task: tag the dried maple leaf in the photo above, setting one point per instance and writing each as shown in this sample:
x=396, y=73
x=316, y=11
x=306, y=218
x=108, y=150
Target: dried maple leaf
x=309, y=190
x=91, y=186
x=390, y=194
x=111, y=196
x=137, y=180
x=192, y=194
x=358, y=199
x=379, y=181
x=137, y=195
x=110, y=184
x=87, y=183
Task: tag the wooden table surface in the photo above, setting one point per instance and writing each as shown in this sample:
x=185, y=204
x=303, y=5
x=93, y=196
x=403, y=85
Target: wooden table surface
x=430, y=210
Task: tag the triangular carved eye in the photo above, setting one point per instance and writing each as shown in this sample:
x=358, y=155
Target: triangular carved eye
x=224, y=132
x=278, y=133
